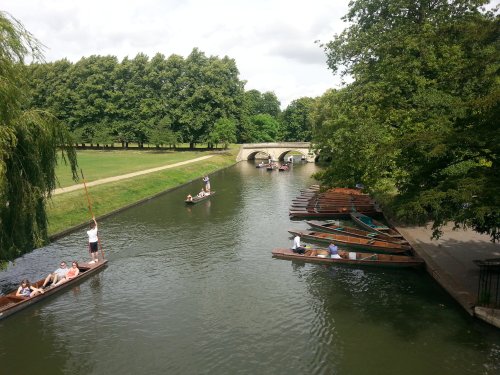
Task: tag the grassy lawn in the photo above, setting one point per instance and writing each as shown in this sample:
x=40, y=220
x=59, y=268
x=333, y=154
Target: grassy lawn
x=98, y=164
x=70, y=209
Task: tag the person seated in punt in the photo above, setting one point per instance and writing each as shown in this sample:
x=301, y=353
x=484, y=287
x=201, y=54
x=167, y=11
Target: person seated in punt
x=201, y=194
x=57, y=275
x=189, y=198
x=72, y=273
x=27, y=290
x=334, y=251
x=297, y=247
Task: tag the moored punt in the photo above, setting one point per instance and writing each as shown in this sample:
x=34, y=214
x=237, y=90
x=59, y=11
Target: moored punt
x=197, y=199
x=350, y=231
x=348, y=206
x=326, y=214
x=10, y=303
x=354, y=258
x=373, y=225
x=354, y=242
x=318, y=215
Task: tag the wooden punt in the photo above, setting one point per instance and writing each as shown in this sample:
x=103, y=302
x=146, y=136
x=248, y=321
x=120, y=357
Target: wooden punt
x=265, y=165
x=377, y=246
x=373, y=225
x=355, y=259
x=197, y=199
x=350, y=231
x=313, y=214
x=10, y=303
x=349, y=206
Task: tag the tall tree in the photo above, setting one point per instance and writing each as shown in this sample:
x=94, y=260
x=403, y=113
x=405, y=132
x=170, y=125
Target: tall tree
x=210, y=90
x=421, y=109
x=29, y=140
x=296, y=120
x=263, y=128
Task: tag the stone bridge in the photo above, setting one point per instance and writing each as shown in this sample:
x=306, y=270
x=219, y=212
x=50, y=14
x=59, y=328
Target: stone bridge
x=277, y=151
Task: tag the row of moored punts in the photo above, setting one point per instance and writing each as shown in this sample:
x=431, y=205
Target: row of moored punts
x=367, y=242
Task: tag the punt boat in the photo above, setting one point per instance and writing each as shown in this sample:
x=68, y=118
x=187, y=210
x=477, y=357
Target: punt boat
x=10, y=303
x=197, y=199
x=354, y=258
x=373, y=225
x=373, y=245
x=350, y=231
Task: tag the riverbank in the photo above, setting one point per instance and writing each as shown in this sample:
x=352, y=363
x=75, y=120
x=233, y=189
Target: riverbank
x=69, y=211
x=450, y=261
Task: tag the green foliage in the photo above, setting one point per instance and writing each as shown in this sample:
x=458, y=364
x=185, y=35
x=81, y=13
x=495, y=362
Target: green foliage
x=29, y=140
x=297, y=121
x=224, y=132
x=262, y=128
x=421, y=112
x=132, y=98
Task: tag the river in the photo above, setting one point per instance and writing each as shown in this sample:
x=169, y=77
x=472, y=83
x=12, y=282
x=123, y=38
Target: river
x=194, y=290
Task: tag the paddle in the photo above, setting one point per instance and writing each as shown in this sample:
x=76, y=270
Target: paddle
x=90, y=209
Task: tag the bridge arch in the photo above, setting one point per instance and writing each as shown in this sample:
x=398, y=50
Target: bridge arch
x=252, y=155
x=281, y=157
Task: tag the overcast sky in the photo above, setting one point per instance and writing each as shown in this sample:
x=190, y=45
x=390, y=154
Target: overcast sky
x=272, y=41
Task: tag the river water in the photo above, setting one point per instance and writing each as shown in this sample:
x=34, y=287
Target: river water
x=194, y=290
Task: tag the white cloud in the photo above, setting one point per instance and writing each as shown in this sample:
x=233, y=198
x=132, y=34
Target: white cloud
x=272, y=41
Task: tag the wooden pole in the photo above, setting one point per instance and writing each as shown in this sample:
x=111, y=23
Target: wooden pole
x=90, y=210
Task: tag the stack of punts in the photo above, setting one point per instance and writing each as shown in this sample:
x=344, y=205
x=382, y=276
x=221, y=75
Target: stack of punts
x=373, y=245
x=197, y=199
x=373, y=225
x=10, y=303
x=353, y=258
x=355, y=232
x=334, y=203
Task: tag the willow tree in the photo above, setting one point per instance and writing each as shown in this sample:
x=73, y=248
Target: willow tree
x=29, y=143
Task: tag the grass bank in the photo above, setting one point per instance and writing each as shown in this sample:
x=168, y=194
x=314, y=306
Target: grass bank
x=70, y=209
x=97, y=164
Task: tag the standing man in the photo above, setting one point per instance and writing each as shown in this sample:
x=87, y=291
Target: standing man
x=206, y=180
x=93, y=241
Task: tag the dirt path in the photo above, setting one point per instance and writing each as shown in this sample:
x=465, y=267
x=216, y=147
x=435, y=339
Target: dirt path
x=128, y=175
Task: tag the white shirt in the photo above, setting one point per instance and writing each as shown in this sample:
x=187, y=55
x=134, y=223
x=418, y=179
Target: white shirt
x=296, y=242
x=92, y=235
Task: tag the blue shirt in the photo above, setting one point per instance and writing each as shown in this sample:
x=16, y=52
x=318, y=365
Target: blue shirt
x=333, y=249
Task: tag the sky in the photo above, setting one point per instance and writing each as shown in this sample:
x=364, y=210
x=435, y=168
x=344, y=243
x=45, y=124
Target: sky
x=272, y=41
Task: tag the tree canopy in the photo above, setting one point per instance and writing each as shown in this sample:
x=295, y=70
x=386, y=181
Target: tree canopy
x=29, y=140
x=418, y=125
